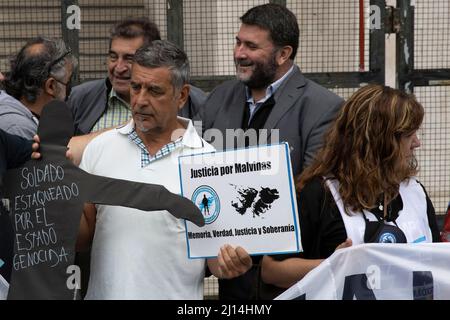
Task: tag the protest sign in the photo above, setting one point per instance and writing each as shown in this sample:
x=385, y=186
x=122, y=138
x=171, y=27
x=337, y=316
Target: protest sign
x=247, y=198
x=46, y=203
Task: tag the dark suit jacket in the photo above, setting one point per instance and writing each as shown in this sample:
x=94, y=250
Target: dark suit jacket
x=88, y=102
x=303, y=111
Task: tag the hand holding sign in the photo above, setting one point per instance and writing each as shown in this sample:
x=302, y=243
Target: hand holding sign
x=233, y=262
x=36, y=154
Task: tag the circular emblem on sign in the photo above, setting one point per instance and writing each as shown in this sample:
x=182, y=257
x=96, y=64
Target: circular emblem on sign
x=388, y=238
x=208, y=202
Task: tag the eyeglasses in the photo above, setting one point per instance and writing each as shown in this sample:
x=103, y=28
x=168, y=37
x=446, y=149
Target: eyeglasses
x=68, y=84
x=57, y=60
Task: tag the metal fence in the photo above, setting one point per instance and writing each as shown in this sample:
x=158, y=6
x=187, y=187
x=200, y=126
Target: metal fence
x=424, y=68
x=339, y=48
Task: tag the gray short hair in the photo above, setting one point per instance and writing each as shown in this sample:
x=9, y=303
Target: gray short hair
x=132, y=28
x=162, y=53
x=30, y=70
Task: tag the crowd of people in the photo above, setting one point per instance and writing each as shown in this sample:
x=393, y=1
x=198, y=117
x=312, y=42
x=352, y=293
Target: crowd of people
x=353, y=160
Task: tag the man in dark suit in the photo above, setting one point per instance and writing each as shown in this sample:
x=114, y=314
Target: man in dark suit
x=271, y=94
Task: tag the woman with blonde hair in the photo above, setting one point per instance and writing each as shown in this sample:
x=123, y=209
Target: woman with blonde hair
x=361, y=188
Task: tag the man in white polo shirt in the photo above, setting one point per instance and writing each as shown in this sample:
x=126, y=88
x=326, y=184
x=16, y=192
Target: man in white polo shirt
x=136, y=255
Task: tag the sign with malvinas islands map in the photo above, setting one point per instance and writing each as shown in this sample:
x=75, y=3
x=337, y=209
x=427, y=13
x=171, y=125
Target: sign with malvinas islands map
x=247, y=198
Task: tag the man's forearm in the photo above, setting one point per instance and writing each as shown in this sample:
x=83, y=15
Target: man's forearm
x=78, y=144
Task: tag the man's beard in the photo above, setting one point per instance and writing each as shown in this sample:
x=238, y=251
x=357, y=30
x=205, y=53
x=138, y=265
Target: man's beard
x=59, y=93
x=263, y=73
x=138, y=125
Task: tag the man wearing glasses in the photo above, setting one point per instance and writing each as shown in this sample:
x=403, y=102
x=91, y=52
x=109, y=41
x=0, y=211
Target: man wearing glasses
x=40, y=72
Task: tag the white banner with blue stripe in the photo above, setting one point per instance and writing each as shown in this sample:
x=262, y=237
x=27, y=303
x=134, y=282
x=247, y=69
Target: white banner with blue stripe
x=379, y=272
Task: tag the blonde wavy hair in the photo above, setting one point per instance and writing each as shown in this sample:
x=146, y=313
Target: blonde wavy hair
x=362, y=148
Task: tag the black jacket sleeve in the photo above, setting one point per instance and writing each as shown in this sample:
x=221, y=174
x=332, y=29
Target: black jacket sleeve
x=14, y=151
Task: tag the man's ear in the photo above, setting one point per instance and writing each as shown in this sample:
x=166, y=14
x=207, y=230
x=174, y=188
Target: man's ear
x=184, y=95
x=51, y=87
x=283, y=54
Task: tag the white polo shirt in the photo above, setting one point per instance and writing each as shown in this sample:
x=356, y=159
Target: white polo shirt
x=136, y=254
